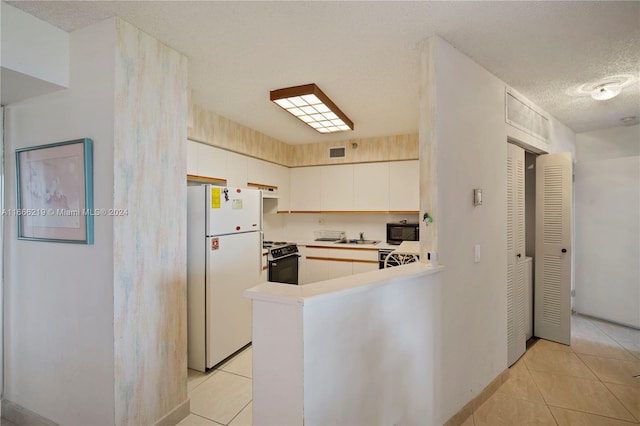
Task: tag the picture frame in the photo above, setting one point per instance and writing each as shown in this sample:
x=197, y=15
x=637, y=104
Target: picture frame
x=55, y=192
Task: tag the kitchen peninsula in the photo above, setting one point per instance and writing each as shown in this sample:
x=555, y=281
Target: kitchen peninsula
x=336, y=328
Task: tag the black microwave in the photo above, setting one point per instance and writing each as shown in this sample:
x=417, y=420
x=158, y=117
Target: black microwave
x=399, y=232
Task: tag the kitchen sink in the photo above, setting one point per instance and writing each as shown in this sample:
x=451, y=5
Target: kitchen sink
x=358, y=242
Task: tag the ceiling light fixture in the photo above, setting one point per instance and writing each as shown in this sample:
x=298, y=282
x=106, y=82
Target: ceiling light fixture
x=606, y=91
x=310, y=105
x=604, y=88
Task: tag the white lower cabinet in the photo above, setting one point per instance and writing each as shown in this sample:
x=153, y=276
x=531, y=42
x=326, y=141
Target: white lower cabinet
x=340, y=268
x=360, y=267
x=321, y=263
x=315, y=270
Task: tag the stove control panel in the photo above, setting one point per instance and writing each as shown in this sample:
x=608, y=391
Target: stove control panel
x=279, y=252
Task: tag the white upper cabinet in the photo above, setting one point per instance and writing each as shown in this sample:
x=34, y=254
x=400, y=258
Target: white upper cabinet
x=192, y=157
x=365, y=187
x=212, y=162
x=206, y=161
x=282, y=182
x=336, y=188
x=237, y=166
x=404, y=185
x=304, y=188
x=257, y=172
x=371, y=187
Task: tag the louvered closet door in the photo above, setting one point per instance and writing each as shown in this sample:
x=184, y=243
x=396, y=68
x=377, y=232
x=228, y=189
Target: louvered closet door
x=552, y=311
x=516, y=297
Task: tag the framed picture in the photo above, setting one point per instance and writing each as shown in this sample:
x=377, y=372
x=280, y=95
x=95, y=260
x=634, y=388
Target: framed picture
x=55, y=192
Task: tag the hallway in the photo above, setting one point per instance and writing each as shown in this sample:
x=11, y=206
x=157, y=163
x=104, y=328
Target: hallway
x=589, y=383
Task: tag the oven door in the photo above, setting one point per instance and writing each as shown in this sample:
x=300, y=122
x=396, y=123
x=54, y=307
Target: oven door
x=284, y=270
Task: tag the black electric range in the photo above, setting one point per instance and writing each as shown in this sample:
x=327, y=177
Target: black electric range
x=282, y=258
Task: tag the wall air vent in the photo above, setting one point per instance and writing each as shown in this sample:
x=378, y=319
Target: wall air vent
x=339, y=152
x=521, y=115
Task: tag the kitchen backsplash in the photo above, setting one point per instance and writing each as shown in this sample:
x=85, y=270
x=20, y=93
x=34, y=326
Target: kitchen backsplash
x=210, y=128
x=300, y=227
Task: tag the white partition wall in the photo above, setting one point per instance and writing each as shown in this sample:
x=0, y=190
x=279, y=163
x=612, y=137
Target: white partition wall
x=350, y=351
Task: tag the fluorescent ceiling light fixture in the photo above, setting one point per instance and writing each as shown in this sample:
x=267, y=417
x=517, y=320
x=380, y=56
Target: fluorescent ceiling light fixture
x=310, y=105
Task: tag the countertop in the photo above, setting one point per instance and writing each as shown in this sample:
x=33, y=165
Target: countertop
x=337, y=287
x=380, y=245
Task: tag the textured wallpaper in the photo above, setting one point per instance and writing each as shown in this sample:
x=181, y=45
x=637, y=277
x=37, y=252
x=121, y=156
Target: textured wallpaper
x=219, y=131
x=390, y=148
x=210, y=128
x=149, y=246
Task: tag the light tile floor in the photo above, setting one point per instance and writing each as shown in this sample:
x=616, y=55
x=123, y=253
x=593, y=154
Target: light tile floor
x=589, y=383
x=222, y=396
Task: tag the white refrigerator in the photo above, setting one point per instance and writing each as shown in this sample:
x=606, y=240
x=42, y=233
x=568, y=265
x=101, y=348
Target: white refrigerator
x=224, y=258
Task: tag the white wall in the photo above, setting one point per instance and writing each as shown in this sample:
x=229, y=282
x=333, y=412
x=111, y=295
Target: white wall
x=96, y=334
x=59, y=297
x=35, y=55
x=467, y=125
x=607, y=204
x=34, y=47
x=471, y=153
x=370, y=357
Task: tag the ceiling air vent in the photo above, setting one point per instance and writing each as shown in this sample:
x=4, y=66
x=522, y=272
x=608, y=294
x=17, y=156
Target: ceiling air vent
x=522, y=116
x=340, y=152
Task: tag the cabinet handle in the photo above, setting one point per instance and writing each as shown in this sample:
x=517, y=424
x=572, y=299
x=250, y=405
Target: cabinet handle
x=564, y=250
x=519, y=255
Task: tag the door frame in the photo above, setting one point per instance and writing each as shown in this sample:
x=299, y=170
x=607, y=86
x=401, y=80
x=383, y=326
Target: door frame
x=537, y=151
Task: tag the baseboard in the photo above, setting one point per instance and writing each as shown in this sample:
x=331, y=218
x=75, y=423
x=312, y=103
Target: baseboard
x=21, y=416
x=471, y=406
x=176, y=415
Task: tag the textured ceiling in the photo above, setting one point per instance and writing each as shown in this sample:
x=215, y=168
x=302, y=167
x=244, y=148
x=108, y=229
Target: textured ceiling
x=364, y=55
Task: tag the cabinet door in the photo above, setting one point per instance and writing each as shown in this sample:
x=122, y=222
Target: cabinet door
x=339, y=268
x=212, y=162
x=404, y=185
x=316, y=270
x=282, y=182
x=360, y=267
x=336, y=189
x=371, y=187
x=256, y=171
x=305, y=189
x=236, y=170
x=192, y=157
